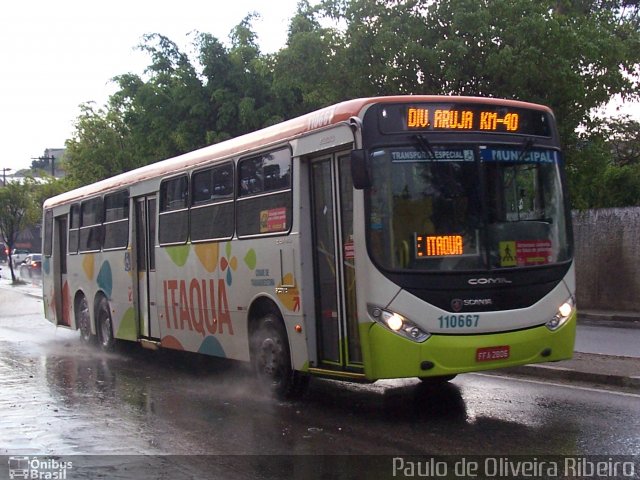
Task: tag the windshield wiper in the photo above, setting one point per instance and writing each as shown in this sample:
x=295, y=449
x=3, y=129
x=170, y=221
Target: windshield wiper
x=425, y=146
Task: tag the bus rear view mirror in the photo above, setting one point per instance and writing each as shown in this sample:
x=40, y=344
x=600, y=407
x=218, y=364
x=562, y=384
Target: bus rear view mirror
x=360, y=170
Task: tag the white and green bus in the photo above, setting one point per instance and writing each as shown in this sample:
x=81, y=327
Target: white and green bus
x=391, y=237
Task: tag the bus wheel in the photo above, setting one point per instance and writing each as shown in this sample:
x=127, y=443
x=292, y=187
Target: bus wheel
x=83, y=320
x=104, y=326
x=437, y=380
x=272, y=361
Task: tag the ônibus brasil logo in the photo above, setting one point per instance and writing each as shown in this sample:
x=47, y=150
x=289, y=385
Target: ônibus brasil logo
x=38, y=468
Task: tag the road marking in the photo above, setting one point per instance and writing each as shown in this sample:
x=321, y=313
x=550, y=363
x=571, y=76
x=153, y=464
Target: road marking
x=575, y=387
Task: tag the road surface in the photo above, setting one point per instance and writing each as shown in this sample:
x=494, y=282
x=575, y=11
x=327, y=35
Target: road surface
x=61, y=398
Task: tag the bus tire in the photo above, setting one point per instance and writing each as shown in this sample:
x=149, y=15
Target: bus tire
x=271, y=360
x=104, y=326
x=83, y=320
x=439, y=380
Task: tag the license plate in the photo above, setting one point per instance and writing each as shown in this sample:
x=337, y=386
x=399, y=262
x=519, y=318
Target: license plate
x=489, y=354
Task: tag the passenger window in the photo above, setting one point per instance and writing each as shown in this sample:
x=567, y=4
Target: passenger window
x=212, y=184
x=174, y=213
x=266, y=173
x=264, y=203
x=74, y=228
x=212, y=212
x=174, y=194
x=91, y=233
x=116, y=225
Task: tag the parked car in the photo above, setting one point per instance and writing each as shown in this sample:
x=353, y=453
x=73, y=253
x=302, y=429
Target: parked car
x=32, y=266
x=18, y=256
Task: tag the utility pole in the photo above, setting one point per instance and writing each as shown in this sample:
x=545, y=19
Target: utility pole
x=48, y=159
x=4, y=175
x=53, y=168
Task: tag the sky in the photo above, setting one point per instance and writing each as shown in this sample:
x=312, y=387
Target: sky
x=56, y=55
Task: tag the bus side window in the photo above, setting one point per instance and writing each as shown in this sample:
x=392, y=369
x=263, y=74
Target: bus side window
x=74, y=228
x=91, y=235
x=174, y=211
x=269, y=175
x=212, y=214
x=116, y=220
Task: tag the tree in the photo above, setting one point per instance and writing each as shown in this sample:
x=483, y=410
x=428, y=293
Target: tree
x=168, y=113
x=100, y=146
x=387, y=47
x=571, y=56
x=309, y=71
x=145, y=120
x=239, y=82
x=623, y=136
x=173, y=109
x=17, y=212
x=606, y=169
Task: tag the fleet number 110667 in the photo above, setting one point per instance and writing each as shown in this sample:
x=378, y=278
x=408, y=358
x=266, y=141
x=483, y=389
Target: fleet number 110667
x=458, y=321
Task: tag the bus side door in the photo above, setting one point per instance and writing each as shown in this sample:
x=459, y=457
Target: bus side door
x=145, y=260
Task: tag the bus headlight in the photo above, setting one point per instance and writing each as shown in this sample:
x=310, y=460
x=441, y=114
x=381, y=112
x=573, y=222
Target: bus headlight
x=560, y=318
x=398, y=324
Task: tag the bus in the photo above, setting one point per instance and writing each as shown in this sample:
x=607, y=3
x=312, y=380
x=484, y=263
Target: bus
x=378, y=238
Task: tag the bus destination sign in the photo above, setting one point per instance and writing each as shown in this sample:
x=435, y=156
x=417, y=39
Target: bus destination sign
x=463, y=118
x=438, y=245
x=453, y=119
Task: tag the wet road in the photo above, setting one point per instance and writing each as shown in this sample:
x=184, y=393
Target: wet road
x=58, y=397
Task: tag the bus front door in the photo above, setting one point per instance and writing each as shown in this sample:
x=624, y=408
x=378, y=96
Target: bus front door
x=145, y=288
x=334, y=268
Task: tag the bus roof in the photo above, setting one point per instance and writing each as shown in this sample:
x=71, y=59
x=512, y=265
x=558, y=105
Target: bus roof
x=272, y=135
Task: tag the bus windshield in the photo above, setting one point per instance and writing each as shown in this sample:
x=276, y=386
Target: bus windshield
x=467, y=207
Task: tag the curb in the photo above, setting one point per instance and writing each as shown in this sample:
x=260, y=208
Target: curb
x=609, y=319
x=552, y=372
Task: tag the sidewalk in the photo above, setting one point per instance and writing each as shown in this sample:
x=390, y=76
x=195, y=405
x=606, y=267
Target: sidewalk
x=589, y=367
x=609, y=318
x=33, y=288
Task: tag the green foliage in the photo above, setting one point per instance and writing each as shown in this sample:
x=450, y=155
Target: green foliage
x=604, y=171
x=101, y=146
x=572, y=56
x=623, y=137
x=310, y=73
x=572, y=59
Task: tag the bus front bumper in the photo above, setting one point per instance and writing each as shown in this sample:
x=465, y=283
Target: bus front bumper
x=387, y=355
